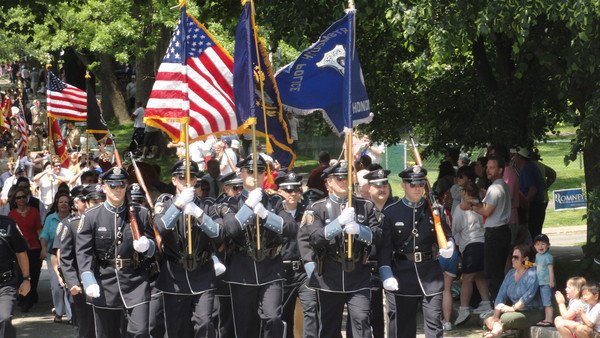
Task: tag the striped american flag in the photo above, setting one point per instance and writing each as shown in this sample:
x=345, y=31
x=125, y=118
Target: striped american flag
x=65, y=101
x=23, y=142
x=195, y=80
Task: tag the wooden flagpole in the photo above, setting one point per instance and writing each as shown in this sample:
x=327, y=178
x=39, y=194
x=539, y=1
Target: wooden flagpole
x=350, y=159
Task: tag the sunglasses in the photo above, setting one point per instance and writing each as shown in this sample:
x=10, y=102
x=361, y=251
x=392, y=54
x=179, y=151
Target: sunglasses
x=237, y=188
x=417, y=185
x=21, y=197
x=56, y=165
x=259, y=171
x=117, y=185
x=291, y=190
x=516, y=257
x=340, y=178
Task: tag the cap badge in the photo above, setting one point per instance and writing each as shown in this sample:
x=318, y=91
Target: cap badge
x=416, y=169
x=117, y=171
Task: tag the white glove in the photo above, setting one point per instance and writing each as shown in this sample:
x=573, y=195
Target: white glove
x=347, y=216
x=93, y=291
x=185, y=197
x=261, y=211
x=390, y=284
x=449, y=251
x=352, y=228
x=140, y=245
x=219, y=267
x=194, y=210
x=254, y=197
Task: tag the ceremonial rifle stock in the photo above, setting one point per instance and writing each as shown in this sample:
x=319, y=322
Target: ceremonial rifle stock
x=142, y=184
x=434, y=206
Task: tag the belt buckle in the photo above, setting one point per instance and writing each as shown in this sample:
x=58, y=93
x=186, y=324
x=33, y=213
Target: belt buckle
x=295, y=265
x=418, y=257
x=118, y=264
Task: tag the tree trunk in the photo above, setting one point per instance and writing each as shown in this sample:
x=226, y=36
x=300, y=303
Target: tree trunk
x=113, y=100
x=591, y=158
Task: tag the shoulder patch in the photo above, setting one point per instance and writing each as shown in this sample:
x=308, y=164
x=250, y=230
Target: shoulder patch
x=159, y=208
x=308, y=218
x=80, y=225
x=223, y=209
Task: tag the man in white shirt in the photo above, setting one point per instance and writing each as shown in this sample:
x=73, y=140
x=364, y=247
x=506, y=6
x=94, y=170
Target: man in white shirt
x=496, y=207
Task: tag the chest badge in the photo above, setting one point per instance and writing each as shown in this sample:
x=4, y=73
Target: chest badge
x=399, y=224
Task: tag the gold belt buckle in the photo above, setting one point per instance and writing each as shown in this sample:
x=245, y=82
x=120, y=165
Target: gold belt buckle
x=418, y=257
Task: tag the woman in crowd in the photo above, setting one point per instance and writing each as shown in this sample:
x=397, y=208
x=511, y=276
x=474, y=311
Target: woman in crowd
x=518, y=304
x=28, y=221
x=61, y=209
x=48, y=181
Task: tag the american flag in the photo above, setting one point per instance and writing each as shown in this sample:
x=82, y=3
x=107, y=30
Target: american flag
x=23, y=143
x=195, y=80
x=65, y=101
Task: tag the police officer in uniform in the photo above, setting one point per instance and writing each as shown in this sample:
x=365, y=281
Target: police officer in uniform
x=187, y=281
x=83, y=316
x=222, y=315
x=340, y=280
x=111, y=263
x=13, y=250
x=408, y=261
x=255, y=276
x=290, y=189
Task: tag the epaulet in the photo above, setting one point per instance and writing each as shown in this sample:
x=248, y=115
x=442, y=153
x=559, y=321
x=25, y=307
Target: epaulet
x=393, y=203
x=93, y=208
x=318, y=202
x=73, y=218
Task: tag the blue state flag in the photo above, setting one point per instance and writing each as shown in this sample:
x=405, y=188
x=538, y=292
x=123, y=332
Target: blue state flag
x=327, y=77
x=251, y=66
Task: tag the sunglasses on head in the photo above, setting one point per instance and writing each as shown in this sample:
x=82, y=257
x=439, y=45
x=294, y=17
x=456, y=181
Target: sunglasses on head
x=116, y=185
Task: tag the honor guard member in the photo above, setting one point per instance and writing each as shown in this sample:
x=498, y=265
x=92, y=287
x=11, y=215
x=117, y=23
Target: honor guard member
x=255, y=276
x=290, y=189
x=110, y=260
x=83, y=317
x=222, y=315
x=13, y=251
x=338, y=279
x=187, y=281
x=408, y=261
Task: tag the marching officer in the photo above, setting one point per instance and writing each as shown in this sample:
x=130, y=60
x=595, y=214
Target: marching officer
x=186, y=280
x=408, y=261
x=222, y=315
x=255, y=275
x=340, y=280
x=13, y=250
x=89, y=197
x=111, y=263
x=290, y=190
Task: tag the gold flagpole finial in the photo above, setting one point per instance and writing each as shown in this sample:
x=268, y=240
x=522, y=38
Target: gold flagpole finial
x=87, y=74
x=48, y=66
x=244, y=2
x=182, y=3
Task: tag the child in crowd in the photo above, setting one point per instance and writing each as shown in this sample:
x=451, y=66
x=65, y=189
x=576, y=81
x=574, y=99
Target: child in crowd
x=569, y=318
x=590, y=317
x=544, y=263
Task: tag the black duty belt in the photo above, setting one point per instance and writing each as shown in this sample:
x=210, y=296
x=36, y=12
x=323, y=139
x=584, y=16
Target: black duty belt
x=414, y=256
x=295, y=265
x=119, y=263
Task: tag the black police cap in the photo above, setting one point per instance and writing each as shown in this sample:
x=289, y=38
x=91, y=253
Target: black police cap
x=230, y=179
x=93, y=192
x=312, y=195
x=413, y=174
x=114, y=174
x=77, y=192
x=288, y=179
x=377, y=177
x=338, y=169
x=180, y=167
x=248, y=163
x=136, y=191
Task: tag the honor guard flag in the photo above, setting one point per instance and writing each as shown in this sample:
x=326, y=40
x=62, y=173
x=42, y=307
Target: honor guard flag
x=194, y=84
x=95, y=121
x=249, y=69
x=327, y=77
x=65, y=101
x=59, y=142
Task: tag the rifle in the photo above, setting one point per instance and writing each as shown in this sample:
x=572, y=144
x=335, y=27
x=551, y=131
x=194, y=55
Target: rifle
x=135, y=230
x=142, y=184
x=433, y=204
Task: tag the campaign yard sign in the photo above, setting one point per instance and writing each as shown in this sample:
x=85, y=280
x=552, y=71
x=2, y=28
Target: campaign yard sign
x=565, y=199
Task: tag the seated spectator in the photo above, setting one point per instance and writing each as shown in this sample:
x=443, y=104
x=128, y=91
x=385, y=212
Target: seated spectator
x=590, y=315
x=518, y=305
x=569, y=317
